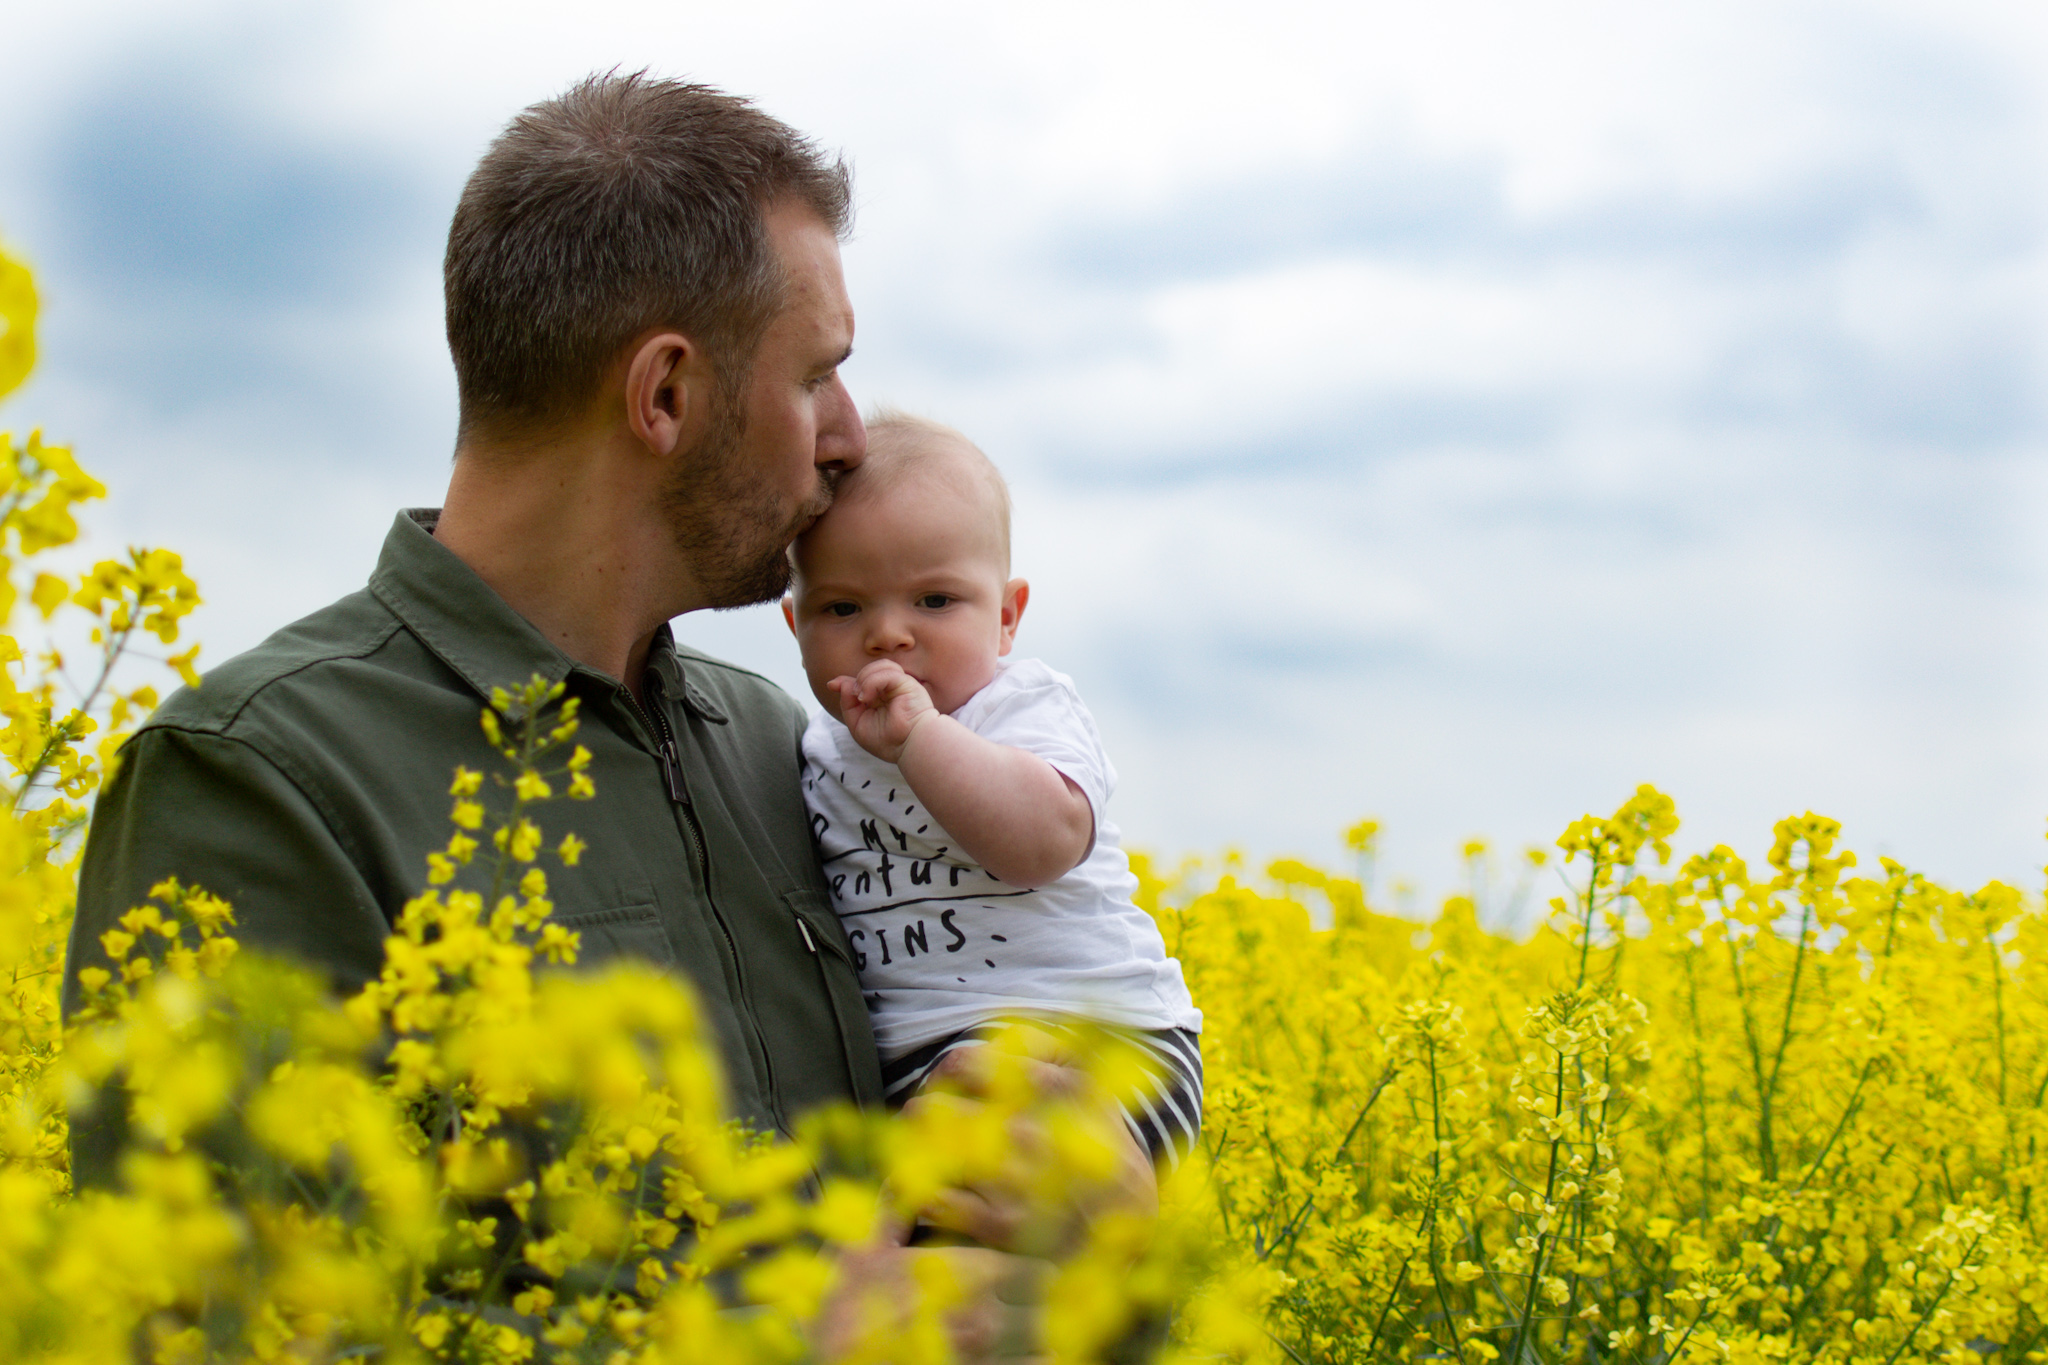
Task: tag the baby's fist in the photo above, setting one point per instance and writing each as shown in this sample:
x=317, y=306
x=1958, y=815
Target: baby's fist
x=881, y=706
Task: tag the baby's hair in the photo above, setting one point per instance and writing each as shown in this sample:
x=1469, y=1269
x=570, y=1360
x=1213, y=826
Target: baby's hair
x=901, y=444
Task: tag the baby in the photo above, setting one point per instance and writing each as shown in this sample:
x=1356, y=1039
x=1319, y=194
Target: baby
x=957, y=792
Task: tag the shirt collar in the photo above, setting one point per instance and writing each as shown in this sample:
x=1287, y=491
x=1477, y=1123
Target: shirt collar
x=456, y=614
x=475, y=632
x=664, y=659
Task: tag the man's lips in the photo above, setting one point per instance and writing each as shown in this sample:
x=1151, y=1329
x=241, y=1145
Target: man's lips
x=828, y=493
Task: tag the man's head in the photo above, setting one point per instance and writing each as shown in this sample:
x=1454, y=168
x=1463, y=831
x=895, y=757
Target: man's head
x=626, y=205
x=912, y=563
x=656, y=266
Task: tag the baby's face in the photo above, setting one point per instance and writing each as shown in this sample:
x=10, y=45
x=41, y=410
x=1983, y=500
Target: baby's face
x=913, y=574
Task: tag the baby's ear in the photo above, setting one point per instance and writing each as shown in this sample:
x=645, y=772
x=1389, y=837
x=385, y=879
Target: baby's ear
x=1016, y=593
x=789, y=612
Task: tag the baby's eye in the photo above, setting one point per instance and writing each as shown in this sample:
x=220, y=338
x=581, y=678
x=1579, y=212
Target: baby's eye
x=933, y=601
x=841, y=609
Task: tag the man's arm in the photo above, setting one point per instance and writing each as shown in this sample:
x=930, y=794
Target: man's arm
x=213, y=812
x=1001, y=1313
x=1012, y=812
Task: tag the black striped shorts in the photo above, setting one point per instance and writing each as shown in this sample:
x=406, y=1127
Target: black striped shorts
x=1164, y=1115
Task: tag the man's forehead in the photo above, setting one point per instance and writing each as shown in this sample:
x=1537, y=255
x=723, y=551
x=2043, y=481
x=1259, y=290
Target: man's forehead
x=807, y=249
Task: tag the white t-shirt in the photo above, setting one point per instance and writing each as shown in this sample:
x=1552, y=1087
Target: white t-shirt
x=941, y=944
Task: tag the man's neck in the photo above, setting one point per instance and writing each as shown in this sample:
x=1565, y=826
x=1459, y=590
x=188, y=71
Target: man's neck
x=569, y=533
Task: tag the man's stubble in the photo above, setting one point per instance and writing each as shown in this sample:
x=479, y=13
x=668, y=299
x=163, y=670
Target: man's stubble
x=733, y=529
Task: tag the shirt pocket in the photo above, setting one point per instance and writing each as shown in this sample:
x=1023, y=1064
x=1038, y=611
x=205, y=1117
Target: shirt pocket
x=620, y=932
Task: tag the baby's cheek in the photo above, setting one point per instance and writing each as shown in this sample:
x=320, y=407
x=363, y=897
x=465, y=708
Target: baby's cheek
x=828, y=696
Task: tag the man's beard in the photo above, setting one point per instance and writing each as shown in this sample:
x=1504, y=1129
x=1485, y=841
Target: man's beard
x=733, y=531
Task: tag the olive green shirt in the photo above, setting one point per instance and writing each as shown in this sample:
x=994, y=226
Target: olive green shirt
x=307, y=780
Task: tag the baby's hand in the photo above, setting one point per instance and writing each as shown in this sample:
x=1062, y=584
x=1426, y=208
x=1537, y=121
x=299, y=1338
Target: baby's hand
x=881, y=707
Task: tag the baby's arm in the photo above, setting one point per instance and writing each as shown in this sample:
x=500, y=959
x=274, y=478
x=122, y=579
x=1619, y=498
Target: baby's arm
x=1014, y=813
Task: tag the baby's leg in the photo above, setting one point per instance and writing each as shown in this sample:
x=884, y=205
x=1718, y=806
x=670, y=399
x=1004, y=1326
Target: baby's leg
x=1165, y=1115
x=905, y=1076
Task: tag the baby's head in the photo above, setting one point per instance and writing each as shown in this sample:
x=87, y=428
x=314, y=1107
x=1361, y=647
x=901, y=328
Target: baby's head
x=912, y=563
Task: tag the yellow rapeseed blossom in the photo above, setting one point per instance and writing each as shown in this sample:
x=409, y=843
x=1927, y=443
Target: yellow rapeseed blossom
x=17, y=323
x=1698, y=1115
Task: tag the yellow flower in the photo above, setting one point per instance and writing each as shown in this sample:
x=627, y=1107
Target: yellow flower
x=185, y=665
x=49, y=593
x=17, y=323
x=1361, y=837
x=524, y=841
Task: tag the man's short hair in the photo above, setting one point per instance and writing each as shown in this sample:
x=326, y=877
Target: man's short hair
x=625, y=204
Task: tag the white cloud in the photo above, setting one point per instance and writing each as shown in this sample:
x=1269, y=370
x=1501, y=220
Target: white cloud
x=1460, y=412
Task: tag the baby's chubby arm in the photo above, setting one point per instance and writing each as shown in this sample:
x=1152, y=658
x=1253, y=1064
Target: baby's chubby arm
x=1014, y=813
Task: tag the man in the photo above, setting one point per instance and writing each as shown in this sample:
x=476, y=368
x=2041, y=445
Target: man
x=647, y=319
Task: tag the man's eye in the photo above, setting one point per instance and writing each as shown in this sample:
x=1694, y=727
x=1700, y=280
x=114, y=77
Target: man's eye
x=933, y=601
x=841, y=609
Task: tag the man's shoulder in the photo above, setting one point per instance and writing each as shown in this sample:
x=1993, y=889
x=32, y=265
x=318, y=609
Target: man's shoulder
x=297, y=659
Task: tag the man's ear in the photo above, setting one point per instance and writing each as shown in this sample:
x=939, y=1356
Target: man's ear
x=789, y=612
x=1015, y=594
x=668, y=391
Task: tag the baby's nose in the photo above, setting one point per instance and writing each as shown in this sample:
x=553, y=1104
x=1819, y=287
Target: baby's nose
x=889, y=635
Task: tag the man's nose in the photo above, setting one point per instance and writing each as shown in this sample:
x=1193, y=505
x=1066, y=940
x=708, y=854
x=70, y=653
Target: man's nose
x=842, y=436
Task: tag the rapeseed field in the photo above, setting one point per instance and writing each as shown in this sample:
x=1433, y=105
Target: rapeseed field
x=1703, y=1112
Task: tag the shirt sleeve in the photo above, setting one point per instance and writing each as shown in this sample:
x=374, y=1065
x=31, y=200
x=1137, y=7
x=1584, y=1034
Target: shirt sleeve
x=1047, y=718
x=215, y=813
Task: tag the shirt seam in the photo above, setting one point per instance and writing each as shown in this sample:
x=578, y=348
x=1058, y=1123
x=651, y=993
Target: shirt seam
x=233, y=716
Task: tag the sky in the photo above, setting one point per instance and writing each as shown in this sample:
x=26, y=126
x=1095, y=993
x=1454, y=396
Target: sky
x=1452, y=414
